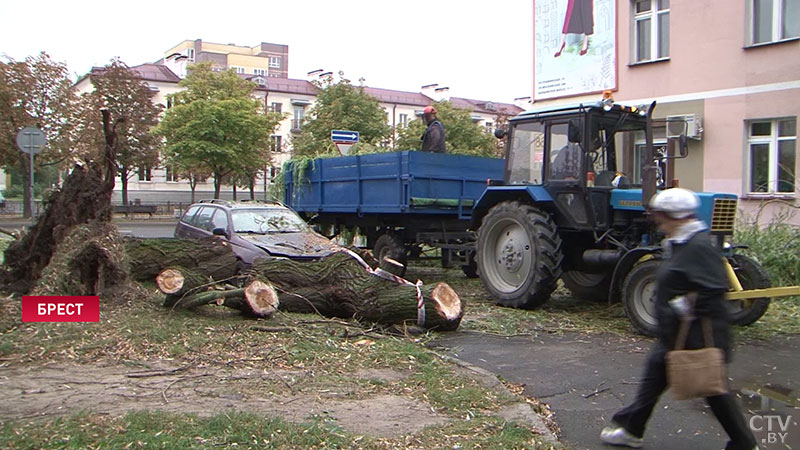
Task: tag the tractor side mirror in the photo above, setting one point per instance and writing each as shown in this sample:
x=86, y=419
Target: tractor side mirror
x=500, y=133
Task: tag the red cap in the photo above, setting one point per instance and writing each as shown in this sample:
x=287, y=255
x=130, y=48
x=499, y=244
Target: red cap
x=429, y=110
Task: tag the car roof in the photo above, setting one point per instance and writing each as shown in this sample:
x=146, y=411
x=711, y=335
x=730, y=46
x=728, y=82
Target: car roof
x=241, y=204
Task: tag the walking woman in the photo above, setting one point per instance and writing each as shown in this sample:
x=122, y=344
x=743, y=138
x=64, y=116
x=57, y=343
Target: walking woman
x=692, y=264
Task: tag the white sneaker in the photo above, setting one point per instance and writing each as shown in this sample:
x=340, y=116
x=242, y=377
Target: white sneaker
x=620, y=436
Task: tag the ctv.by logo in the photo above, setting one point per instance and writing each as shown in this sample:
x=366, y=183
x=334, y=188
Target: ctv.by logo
x=775, y=426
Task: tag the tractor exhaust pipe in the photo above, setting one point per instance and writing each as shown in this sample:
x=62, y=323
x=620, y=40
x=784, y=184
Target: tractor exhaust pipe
x=603, y=258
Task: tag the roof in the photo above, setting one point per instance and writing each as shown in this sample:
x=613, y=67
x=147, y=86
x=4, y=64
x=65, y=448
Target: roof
x=486, y=107
x=156, y=72
x=290, y=86
x=400, y=97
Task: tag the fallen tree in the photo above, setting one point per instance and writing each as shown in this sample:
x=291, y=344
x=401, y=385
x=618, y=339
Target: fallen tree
x=336, y=286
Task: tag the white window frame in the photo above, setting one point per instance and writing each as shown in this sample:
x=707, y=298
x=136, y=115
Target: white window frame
x=403, y=120
x=778, y=19
x=773, y=140
x=275, y=62
x=237, y=69
x=653, y=15
x=262, y=72
x=190, y=54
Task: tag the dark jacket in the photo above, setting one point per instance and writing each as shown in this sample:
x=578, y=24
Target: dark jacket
x=433, y=138
x=693, y=266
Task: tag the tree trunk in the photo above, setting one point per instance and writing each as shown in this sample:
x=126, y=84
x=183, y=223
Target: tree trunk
x=338, y=286
x=209, y=257
x=123, y=178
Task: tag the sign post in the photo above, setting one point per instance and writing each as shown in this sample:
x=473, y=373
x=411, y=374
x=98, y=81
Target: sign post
x=344, y=140
x=31, y=140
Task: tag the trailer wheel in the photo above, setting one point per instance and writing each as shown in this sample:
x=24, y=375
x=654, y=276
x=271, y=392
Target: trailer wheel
x=752, y=276
x=471, y=268
x=587, y=285
x=518, y=255
x=391, y=246
x=639, y=297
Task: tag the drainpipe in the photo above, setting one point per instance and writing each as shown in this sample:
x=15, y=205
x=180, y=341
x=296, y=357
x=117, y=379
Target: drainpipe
x=394, y=127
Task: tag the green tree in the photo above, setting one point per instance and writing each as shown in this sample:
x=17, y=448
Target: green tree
x=463, y=135
x=216, y=126
x=121, y=91
x=341, y=106
x=36, y=92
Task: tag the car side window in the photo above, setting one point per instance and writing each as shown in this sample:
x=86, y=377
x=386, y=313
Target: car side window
x=189, y=216
x=203, y=220
x=220, y=220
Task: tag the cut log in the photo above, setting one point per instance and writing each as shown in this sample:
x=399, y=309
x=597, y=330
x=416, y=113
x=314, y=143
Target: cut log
x=258, y=299
x=209, y=257
x=338, y=286
x=176, y=282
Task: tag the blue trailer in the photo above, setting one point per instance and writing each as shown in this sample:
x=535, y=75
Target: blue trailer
x=400, y=201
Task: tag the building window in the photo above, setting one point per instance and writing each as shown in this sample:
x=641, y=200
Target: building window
x=403, y=120
x=276, y=143
x=237, y=69
x=275, y=107
x=145, y=173
x=650, y=30
x=297, y=122
x=170, y=174
x=190, y=53
x=275, y=62
x=773, y=20
x=489, y=127
x=772, y=148
x=262, y=72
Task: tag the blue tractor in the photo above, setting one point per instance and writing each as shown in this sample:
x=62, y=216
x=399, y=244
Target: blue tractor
x=570, y=207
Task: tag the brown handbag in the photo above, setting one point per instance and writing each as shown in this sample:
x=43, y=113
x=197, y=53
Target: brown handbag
x=696, y=373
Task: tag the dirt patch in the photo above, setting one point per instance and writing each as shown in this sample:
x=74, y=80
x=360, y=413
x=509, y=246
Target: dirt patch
x=58, y=389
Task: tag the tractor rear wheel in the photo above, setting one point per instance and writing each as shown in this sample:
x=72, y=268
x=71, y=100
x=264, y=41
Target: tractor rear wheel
x=518, y=255
x=587, y=285
x=752, y=276
x=639, y=297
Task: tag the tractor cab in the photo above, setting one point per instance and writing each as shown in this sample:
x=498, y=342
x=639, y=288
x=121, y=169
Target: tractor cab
x=578, y=156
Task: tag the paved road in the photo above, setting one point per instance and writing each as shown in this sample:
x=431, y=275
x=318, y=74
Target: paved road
x=586, y=378
x=145, y=228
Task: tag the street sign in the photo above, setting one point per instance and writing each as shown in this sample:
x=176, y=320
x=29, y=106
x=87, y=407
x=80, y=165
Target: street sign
x=31, y=140
x=344, y=149
x=344, y=136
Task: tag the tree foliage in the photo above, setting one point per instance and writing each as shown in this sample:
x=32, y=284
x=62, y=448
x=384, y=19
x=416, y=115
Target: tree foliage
x=463, y=136
x=120, y=90
x=216, y=126
x=341, y=106
x=36, y=92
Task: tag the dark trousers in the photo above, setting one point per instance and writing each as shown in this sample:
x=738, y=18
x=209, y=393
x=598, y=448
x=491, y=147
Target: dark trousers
x=654, y=382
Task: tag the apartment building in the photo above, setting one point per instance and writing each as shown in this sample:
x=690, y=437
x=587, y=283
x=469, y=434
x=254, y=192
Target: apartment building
x=265, y=59
x=730, y=69
x=294, y=97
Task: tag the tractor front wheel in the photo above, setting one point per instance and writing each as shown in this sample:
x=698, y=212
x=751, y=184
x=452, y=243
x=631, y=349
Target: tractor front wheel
x=639, y=297
x=751, y=275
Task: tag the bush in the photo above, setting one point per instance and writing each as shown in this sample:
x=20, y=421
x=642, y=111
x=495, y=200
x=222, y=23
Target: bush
x=776, y=246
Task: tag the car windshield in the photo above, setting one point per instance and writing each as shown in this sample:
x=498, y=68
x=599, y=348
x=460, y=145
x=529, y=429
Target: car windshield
x=267, y=220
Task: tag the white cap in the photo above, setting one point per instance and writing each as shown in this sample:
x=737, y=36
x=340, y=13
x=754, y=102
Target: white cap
x=677, y=203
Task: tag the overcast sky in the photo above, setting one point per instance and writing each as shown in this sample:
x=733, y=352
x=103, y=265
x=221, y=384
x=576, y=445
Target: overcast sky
x=480, y=49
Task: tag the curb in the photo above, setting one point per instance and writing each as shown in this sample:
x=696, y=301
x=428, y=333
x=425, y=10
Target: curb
x=519, y=412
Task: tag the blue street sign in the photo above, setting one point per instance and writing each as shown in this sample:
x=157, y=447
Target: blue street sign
x=344, y=136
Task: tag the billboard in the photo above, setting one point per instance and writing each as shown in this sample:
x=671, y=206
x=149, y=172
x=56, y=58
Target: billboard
x=574, y=47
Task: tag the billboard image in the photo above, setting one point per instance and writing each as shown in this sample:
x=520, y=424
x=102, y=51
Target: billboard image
x=575, y=48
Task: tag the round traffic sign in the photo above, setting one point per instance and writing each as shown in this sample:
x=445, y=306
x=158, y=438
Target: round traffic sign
x=31, y=140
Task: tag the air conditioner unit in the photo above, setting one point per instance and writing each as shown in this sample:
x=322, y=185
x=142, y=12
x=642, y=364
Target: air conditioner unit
x=688, y=124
